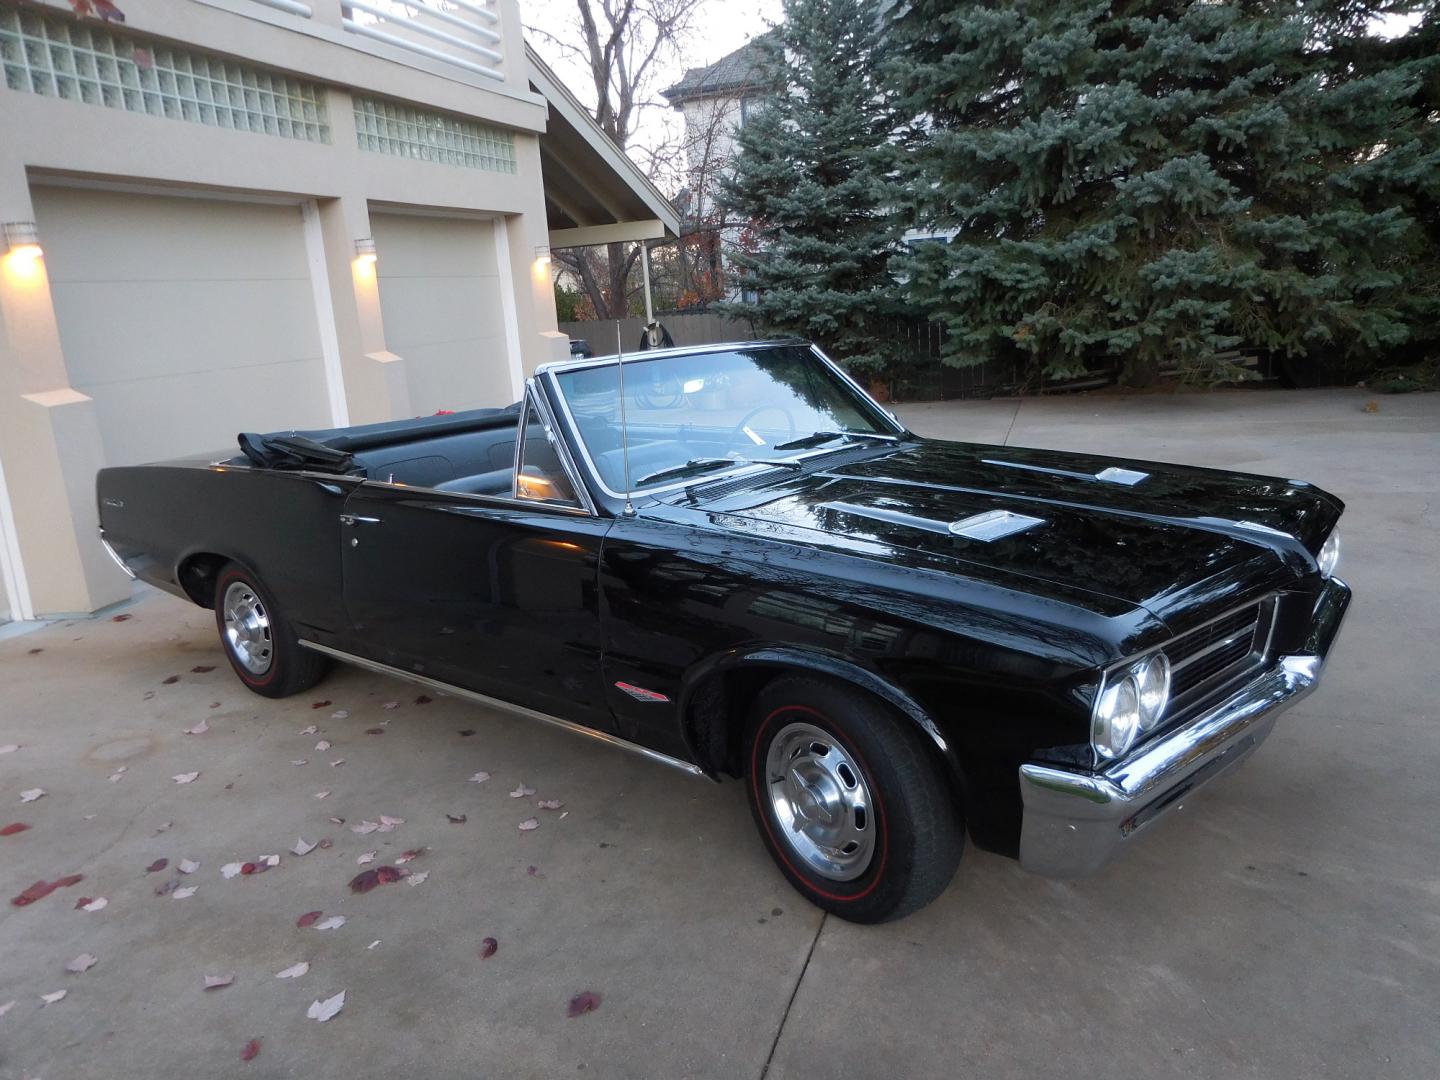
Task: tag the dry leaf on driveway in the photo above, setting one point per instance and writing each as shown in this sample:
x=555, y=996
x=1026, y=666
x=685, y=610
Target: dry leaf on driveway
x=334, y=922
x=185, y=777
x=409, y=856
x=528, y=824
x=522, y=792
x=308, y=919
x=13, y=828
x=418, y=879
x=187, y=866
x=457, y=819
x=373, y=944
x=198, y=729
x=423, y=699
x=294, y=971
x=581, y=1003
x=303, y=846
x=299, y=761
x=323, y=744
x=156, y=866
x=31, y=795
x=42, y=889
x=391, y=705
x=170, y=681
x=319, y=704
x=337, y=761
x=365, y=827
x=9, y=748
x=82, y=963
x=116, y=776
x=549, y=804
x=324, y=1010
x=367, y=857
x=479, y=778
x=311, y=730
x=97, y=904
x=250, y=1051
x=218, y=982
x=230, y=869
x=202, y=669
x=322, y=794
x=487, y=948
x=6, y=1007
x=387, y=822
x=185, y=893
x=52, y=998
x=340, y=714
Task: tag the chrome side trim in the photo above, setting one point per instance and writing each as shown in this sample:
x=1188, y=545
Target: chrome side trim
x=115, y=555
x=1075, y=821
x=504, y=706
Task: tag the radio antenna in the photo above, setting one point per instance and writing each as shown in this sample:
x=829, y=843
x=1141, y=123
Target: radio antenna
x=624, y=427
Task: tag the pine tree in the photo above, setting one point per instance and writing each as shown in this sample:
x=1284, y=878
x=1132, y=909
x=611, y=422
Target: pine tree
x=812, y=183
x=1141, y=181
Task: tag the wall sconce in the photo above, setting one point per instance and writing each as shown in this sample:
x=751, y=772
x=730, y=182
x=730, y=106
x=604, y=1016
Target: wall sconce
x=22, y=240
x=365, y=249
x=542, y=254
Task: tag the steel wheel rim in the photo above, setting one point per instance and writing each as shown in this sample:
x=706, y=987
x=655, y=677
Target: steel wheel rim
x=247, y=628
x=821, y=802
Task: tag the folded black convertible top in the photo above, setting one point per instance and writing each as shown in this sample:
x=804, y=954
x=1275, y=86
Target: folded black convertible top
x=330, y=449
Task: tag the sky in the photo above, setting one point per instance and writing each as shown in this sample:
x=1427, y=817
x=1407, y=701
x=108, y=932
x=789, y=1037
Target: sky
x=722, y=26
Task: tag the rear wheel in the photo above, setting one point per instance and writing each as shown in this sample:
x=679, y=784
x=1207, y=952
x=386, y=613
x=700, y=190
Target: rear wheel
x=257, y=638
x=850, y=802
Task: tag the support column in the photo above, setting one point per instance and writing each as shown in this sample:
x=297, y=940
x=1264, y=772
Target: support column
x=645, y=273
x=529, y=292
x=50, y=447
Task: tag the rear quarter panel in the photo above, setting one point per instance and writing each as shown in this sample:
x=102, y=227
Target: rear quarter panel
x=284, y=527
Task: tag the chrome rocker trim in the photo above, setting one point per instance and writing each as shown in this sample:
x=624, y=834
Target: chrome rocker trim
x=504, y=706
x=1075, y=822
x=115, y=555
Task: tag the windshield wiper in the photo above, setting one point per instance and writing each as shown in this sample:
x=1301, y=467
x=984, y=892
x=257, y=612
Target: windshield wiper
x=710, y=464
x=819, y=438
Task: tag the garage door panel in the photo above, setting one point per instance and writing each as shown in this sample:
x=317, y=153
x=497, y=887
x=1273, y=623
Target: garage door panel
x=433, y=247
x=433, y=310
x=452, y=375
x=205, y=325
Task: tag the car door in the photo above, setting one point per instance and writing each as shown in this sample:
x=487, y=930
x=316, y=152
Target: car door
x=496, y=594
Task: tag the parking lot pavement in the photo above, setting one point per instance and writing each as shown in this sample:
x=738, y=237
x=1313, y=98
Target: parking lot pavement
x=1284, y=925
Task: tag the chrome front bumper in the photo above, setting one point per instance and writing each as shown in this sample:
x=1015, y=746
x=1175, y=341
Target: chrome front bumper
x=1074, y=822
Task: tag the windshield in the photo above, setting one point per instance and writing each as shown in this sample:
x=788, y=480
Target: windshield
x=692, y=415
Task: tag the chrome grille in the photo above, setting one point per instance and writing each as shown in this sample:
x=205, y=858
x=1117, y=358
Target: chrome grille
x=1207, y=661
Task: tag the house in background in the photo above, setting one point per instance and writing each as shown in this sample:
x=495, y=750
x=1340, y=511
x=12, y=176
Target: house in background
x=227, y=215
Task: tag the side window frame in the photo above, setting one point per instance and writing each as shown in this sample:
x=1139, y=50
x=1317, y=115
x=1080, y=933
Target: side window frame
x=534, y=399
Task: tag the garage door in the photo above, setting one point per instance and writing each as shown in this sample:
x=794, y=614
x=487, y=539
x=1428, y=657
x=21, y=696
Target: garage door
x=187, y=320
x=441, y=302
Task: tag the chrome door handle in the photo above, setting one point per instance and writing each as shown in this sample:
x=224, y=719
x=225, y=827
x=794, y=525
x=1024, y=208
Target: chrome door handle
x=357, y=519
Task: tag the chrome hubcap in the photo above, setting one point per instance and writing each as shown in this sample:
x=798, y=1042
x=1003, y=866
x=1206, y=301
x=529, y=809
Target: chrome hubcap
x=247, y=628
x=821, y=801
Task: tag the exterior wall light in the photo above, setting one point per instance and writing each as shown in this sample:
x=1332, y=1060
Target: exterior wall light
x=365, y=249
x=542, y=254
x=22, y=240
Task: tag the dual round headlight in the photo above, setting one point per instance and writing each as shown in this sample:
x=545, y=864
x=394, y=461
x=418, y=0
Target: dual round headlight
x=1131, y=701
x=1329, y=556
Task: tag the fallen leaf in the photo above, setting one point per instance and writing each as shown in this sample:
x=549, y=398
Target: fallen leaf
x=52, y=998
x=373, y=944
x=97, y=904
x=9, y=748
x=340, y=714
x=322, y=794
x=42, y=889
x=337, y=761
x=157, y=866
x=269, y=860
x=1372, y=406
x=165, y=826
x=367, y=857
x=364, y=881
x=324, y=843
x=334, y=922
x=214, y=704
x=218, y=982
x=167, y=888
x=303, y=846
x=308, y=919
x=337, y=821
x=187, y=866
x=250, y=1051
x=185, y=893
x=387, y=823
x=587, y=1001
x=479, y=778
x=324, y=1010
x=319, y=704
x=202, y=669
x=185, y=777
x=294, y=971
x=36, y=652
x=31, y=795
x=120, y=618
x=12, y=829
x=533, y=871
x=423, y=700
x=230, y=869
x=198, y=729
x=467, y=732
x=116, y=776
x=388, y=875
x=81, y=964
x=311, y=730
x=391, y=705
x=418, y=879
x=299, y=761
x=488, y=947
x=457, y=820
x=409, y=856
x=375, y=731
x=171, y=681
x=6, y=1007
x=323, y=744
x=522, y=792
x=365, y=827
x=549, y=804
x=528, y=824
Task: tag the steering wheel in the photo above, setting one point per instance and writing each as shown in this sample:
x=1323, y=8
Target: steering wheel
x=739, y=428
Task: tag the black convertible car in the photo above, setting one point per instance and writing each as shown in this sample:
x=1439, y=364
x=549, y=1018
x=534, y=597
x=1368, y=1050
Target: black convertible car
x=732, y=561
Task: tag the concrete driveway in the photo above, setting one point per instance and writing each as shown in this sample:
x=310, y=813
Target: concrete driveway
x=1286, y=924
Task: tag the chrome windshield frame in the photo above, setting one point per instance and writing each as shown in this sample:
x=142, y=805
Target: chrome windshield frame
x=550, y=372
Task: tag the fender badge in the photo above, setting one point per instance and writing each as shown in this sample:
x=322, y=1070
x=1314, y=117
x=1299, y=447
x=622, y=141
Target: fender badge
x=639, y=693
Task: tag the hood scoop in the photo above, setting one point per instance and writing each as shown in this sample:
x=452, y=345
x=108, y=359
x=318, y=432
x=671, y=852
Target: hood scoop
x=1111, y=475
x=989, y=526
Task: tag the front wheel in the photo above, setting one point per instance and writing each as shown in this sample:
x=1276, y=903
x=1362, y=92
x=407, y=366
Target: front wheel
x=850, y=802
x=257, y=638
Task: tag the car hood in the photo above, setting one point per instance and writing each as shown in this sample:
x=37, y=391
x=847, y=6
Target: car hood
x=1149, y=534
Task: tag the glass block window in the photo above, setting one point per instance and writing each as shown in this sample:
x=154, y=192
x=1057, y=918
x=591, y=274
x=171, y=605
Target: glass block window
x=54, y=56
x=384, y=127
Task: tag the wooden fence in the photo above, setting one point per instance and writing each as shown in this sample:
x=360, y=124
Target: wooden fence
x=703, y=329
